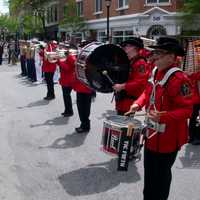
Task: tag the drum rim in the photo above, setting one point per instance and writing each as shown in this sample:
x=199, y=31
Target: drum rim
x=137, y=124
x=95, y=47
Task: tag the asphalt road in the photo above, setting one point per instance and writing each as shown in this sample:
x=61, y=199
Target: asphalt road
x=41, y=158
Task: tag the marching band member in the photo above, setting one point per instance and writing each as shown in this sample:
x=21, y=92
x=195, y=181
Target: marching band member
x=2, y=44
x=23, y=57
x=194, y=130
x=67, y=74
x=32, y=60
x=168, y=102
x=49, y=69
x=38, y=62
x=127, y=92
x=28, y=57
x=42, y=56
x=83, y=101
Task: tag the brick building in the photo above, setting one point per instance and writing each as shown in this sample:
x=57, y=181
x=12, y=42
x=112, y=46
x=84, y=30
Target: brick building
x=149, y=18
x=54, y=14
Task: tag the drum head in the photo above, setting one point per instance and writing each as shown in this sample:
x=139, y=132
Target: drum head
x=123, y=121
x=107, y=58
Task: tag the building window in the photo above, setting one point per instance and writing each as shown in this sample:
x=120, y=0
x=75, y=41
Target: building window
x=80, y=8
x=157, y=1
x=98, y=5
x=48, y=15
x=65, y=10
x=120, y=35
x=55, y=13
x=102, y=36
x=122, y=3
x=156, y=31
x=52, y=14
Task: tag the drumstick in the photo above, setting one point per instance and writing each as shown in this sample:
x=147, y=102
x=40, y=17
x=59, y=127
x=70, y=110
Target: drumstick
x=145, y=114
x=141, y=139
x=154, y=133
x=105, y=73
x=130, y=129
x=140, y=114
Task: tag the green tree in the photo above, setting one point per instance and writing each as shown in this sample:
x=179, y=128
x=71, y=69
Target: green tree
x=192, y=7
x=72, y=22
x=191, y=17
x=32, y=14
x=30, y=25
x=9, y=24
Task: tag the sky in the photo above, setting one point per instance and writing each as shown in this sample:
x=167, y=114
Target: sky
x=3, y=7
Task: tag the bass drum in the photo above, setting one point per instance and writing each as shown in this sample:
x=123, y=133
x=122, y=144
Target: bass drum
x=100, y=65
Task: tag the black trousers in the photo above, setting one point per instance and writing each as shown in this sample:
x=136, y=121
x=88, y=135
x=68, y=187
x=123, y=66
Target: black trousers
x=9, y=56
x=23, y=65
x=84, y=106
x=33, y=70
x=50, y=84
x=67, y=99
x=1, y=58
x=157, y=174
x=28, y=67
x=1, y=54
x=194, y=131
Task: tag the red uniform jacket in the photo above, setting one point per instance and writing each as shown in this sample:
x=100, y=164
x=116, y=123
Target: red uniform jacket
x=77, y=85
x=135, y=85
x=67, y=69
x=195, y=78
x=176, y=99
x=47, y=66
x=80, y=87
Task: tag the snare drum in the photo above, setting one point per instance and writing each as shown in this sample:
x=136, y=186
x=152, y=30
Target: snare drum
x=113, y=129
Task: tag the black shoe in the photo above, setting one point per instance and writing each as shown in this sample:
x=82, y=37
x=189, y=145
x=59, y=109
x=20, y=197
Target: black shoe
x=82, y=130
x=49, y=98
x=196, y=142
x=190, y=141
x=64, y=114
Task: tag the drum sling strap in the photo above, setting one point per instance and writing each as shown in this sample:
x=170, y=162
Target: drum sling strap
x=149, y=123
x=124, y=149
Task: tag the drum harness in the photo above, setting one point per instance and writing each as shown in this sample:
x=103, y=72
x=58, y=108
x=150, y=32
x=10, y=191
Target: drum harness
x=159, y=128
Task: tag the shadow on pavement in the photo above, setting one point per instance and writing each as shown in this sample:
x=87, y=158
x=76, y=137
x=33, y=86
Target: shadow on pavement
x=97, y=178
x=18, y=76
x=191, y=158
x=107, y=113
x=69, y=141
x=55, y=121
x=28, y=83
x=35, y=104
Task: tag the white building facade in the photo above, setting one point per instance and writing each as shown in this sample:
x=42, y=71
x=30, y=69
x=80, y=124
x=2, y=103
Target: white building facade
x=151, y=23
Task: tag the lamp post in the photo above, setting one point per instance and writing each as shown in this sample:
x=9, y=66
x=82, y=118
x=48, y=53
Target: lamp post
x=108, y=4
